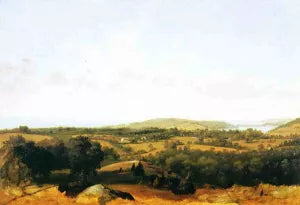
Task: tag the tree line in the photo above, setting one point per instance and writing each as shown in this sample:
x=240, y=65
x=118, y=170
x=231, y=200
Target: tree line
x=224, y=169
x=80, y=155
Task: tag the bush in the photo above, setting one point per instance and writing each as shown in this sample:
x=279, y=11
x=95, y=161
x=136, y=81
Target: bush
x=181, y=186
x=139, y=170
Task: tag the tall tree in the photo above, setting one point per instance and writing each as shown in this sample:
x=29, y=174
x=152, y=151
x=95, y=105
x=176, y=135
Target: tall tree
x=85, y=157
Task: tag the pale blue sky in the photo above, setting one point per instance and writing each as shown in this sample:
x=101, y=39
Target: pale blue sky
x=90, y=62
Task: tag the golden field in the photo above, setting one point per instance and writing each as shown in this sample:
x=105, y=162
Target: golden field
x=263, y=194
x=288, y=130
x=152, y=148
x=160, y=146
x=108, y=144
x=265, y=142
x=30, y=137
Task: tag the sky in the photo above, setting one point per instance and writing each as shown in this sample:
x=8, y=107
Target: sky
x=100, y=62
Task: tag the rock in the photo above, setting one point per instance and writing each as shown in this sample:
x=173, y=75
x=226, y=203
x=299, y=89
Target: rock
x=92, y=194
x=121, y=194
x=100, y=194
x=73, y=188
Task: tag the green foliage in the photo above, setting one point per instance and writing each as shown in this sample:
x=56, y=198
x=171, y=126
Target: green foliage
x=132, y=168
x=110, y=154
x=59, y=151
x=13, y=171
x=293, y=142
x=182, y=186
x=81, y=155
x=84, y=157
x=24, y=129
x=139, y=170
x=39, y=160
x=220, y=142
x=225, y=169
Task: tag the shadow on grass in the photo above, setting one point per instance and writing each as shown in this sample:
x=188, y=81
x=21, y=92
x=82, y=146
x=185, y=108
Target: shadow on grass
x=62, y=176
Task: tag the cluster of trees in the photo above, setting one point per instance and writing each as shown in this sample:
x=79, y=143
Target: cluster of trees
x=219, y=142
x=176, y=184
x=138, y=170
x=226, y=169
x=172, y=144
x=249, y=134
x=153, y=134
x=293, y=142
x=110, y=155
x=80, y=155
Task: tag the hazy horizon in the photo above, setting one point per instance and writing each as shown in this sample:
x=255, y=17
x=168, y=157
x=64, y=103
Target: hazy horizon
x=94, y=63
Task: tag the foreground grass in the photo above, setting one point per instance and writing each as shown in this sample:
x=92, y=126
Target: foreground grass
x=263, y=194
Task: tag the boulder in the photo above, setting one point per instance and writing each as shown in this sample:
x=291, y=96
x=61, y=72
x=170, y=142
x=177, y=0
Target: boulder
x=101, y=194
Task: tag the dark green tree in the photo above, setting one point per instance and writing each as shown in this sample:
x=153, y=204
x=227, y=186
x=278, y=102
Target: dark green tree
x=24, y=129
x=38, y=159
x=132, y=168
x=139, y=170
x=84, y=157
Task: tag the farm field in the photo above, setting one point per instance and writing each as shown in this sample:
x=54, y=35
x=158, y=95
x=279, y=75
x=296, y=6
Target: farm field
x=147, y=148
x=154, y=147
x=160, y=145
x=210, y=148
x=257, y=143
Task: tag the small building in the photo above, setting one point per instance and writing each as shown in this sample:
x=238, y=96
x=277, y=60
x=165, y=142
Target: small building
x=124, y=140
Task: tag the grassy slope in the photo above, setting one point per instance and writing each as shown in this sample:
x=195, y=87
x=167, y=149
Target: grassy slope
x=287, y=129
x=29, y=137
x=126, y=166
x=176, y=123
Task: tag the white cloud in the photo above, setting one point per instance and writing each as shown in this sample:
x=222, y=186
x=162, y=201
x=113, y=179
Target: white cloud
x=101, y=62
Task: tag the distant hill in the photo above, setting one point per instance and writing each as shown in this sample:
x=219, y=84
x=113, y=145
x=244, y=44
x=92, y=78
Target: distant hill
x=276, y=122
x=290, y=128
x=168, y=123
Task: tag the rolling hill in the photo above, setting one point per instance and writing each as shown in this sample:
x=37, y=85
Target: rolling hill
x=183, y=124
x=290, y=128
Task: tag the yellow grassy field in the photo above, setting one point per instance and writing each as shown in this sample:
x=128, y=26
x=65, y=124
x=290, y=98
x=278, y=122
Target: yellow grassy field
x=159, y=146
x=211, y=148
x=145, y=146
x=265, y=142
x=100, y=137
x=185, y=140
x=116, y=166
x=105, y=143
x=126, y=165
x=235, y=195
x=286, y=131
x=263, y=194
x=30, y=137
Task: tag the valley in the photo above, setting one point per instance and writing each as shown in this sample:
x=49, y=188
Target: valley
x=166, y=154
